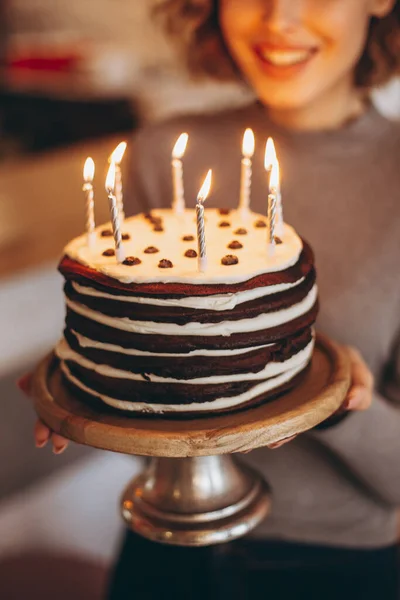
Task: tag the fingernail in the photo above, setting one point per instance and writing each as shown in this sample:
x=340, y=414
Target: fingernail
x=59, y=449
x=354, y=400
x=41, y=443
x=276, y=445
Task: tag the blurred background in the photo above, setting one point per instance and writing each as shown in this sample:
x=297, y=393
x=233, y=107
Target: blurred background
x=77, y=77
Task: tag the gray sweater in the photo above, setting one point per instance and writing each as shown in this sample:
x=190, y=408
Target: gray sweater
x=340, y=486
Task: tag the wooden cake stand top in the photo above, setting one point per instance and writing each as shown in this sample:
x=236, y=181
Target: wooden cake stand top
x=319, y=395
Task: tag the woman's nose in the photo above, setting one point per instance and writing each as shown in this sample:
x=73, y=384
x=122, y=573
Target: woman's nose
x=282, y=16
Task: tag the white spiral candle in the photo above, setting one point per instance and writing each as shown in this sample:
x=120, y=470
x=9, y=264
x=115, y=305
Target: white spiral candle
x=179, y=194
x=201, y=233
x=201, y=237
x=116, y=157
x=270, y=161
x=178, y=203
x=119, y=193
x=245, y=187
x=88, y=175
x=246, y=172
x=272, y=206
x=114, y=212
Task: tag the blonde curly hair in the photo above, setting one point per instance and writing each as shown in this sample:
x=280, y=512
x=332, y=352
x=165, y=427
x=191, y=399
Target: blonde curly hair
x=195, y=25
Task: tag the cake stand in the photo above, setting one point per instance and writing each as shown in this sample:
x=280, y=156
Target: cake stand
x=192, y=491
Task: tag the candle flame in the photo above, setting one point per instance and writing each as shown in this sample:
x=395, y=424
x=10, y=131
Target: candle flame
x=248, y=143
x=118, y=153
x=88, y=170
x=205, y=188
x=180, y=146
x=274, y=179
x=110, y=181
x=270, y=155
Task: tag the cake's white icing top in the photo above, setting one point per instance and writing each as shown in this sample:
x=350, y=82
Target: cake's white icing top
x=254, y=258
x=225, y=328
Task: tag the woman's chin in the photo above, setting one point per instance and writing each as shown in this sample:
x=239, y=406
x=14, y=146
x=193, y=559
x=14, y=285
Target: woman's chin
x=294, y=101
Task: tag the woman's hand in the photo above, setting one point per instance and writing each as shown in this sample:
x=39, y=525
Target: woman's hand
x=359, y=396
x=41, y=432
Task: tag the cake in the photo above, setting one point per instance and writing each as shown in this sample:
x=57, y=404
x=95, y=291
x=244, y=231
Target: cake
x=154, y=335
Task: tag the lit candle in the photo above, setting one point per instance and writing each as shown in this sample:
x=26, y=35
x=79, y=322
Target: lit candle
x=270, y=159
x=272, y=206
x=201, y=234
x=178, y=151
x=88, y=176
x=116, y=157
x=115, y=218
x=245, y=180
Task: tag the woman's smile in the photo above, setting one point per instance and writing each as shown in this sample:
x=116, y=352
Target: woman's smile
x=283, y=62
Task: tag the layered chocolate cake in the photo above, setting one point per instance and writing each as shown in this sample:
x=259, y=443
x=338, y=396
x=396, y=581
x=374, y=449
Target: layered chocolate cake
x=155, y=335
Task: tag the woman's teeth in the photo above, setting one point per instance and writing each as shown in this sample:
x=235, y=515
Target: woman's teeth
x=285, y=58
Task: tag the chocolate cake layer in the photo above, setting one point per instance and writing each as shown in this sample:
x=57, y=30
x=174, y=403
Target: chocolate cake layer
x=185, y=343
x=182, y=315
x=99, y=405
x=191, y=367
x=156, y=393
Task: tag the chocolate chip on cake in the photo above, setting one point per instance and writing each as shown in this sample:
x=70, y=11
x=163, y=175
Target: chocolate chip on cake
x=278, y=240
x=235, y=245
x=191, y=253
x=146, y=377
x=230, y=259
x=260, y=224
x=107, y=233
x=109, y=252
x=240, y=231
x=131, y=261
x=151, y=250
x=224, y=224
x=148, y=216
x=224, y=211
x=188, y=238
x=126, y=236
x=165, y=264
x=158, y=227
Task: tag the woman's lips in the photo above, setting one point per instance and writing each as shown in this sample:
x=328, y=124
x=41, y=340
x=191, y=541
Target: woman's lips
x=283, y=63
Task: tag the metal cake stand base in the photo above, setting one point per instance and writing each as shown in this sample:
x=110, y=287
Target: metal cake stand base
x=193, y=492
x=195, y=501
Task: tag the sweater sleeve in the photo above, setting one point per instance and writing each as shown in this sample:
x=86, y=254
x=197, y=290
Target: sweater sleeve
x=391, y=381
x=368, y=443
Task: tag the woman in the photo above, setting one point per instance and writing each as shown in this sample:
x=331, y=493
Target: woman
x=336, y=489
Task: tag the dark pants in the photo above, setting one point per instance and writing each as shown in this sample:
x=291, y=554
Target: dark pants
x=252, y=570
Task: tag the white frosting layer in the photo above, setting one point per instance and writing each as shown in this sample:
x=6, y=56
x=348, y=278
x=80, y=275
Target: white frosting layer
x=272, y=369
x=217, y=302
x=85, y=342
x=224, y=328
x=218, y=404
x=254, y=258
